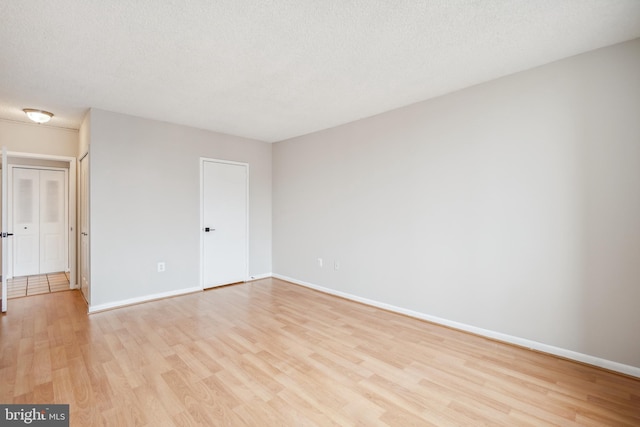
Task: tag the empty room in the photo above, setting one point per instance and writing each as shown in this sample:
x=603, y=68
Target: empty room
x=384, y=213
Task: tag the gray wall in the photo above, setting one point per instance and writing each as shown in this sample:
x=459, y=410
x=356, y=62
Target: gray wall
x=512, y=206
x=145, y=204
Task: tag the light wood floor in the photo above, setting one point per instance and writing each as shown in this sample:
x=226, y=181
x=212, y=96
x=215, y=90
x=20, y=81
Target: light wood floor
x=272, y=353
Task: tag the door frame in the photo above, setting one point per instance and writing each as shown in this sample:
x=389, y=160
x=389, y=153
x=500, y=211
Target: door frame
x=71, y=207
x=201, y=228
x=10, y=194
x=83, y=203
x=4, y=235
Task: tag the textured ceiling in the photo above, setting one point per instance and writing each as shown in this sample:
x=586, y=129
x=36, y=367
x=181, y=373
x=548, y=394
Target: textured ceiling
x=271, y=70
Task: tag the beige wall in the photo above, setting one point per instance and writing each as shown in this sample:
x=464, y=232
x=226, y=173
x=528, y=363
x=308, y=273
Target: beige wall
x=512, y=206
x=37, y=139
x=84, y=135
x=40, y=139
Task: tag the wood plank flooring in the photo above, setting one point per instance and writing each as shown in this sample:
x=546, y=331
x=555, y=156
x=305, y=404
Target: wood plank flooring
x=270, y=353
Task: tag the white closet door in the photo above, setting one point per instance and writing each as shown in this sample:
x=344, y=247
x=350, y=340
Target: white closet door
x=26, y=221
x=52, y=222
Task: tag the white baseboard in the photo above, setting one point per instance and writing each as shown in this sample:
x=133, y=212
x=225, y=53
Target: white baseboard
x=259, y=276
x=138, y=300
x=533, y=345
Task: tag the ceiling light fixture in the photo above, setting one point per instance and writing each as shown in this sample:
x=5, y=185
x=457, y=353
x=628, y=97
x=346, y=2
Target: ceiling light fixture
x=38, y=116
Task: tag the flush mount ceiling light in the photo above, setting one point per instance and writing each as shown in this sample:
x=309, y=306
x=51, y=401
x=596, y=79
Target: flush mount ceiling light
x=38, y=116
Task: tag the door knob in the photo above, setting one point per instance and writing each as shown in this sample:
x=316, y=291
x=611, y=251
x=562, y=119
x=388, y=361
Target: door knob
x=207, y=229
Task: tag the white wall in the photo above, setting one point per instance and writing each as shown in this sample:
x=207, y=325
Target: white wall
x=145, y=201
x=512, y=206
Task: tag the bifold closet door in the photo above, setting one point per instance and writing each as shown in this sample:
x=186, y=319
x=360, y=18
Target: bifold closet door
x=26, y=222
x=38, y=221
x=52, y=222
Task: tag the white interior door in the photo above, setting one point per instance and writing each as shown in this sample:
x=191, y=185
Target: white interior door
x=84, y=227
x=224, y=222
x=5, y=221
x=26, y=221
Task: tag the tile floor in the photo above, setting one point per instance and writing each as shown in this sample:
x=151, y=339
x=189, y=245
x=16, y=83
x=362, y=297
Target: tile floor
x=34, y=285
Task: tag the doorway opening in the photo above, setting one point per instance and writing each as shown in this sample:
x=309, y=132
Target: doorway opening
x=40, y=215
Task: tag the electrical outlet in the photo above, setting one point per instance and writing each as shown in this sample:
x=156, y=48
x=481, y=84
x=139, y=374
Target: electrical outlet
x=161, y=267
x=320, y=262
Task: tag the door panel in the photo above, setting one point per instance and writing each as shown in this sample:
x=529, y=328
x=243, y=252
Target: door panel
x=53, y=257
x=26, y=223
x=84, y=227
x=225, y=212
x=4, y=220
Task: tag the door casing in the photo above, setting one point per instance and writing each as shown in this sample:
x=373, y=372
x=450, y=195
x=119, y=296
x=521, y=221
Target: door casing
x=84, y=267
x=3, y=219
x=71, y=226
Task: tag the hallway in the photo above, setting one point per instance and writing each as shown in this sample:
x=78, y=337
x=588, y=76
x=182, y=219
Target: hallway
x=36, y=285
